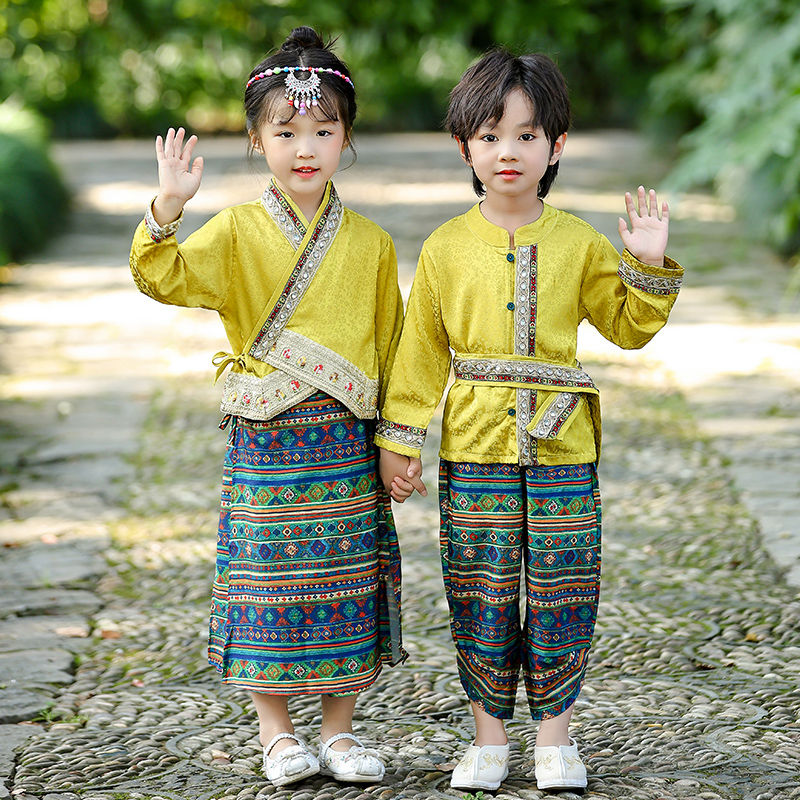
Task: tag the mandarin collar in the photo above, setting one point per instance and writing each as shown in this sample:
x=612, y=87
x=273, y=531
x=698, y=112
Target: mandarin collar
x=498, y=237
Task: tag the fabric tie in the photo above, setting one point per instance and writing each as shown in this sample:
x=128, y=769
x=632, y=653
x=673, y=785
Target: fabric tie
x=222, y=359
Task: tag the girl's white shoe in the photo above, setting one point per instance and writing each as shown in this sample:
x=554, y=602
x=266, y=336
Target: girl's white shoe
x=481, y=767
x=292, y=764
x=559, y=767
x=358, y=764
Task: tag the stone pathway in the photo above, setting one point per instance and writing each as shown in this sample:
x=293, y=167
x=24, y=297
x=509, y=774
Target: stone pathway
x=110, y=466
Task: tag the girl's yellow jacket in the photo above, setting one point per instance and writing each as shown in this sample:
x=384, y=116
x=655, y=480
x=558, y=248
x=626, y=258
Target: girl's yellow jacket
x=306, y=306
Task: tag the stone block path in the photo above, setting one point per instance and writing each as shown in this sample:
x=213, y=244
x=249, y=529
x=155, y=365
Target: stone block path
x=109, y=471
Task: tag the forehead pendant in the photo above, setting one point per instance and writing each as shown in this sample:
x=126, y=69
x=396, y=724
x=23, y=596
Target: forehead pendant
x=302, y=93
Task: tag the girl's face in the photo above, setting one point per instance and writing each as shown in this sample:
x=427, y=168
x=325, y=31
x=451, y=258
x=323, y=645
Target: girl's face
x=510, y=155
x=302, y=153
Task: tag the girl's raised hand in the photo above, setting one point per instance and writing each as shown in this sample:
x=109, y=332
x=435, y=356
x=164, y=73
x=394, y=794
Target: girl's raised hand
x=178, y=177
x=647, y=239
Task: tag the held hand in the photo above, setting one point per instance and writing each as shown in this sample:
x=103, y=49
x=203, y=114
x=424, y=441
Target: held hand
x=647, y=239
x=392, y=467
x=178, y=177
x=414, y=475
x=400, y=475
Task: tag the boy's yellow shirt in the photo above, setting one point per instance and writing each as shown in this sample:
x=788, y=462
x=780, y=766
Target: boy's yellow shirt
x=505, y=313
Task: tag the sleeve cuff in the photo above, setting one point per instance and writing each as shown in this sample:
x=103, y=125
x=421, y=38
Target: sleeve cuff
x=160, y=232
x=404, y=439
x=647, y=278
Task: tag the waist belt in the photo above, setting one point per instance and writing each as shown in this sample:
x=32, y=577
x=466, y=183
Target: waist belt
x=543, y=418
x=527, y=373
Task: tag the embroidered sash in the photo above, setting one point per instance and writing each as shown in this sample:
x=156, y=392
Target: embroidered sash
x=565, y=386
x=302, y=365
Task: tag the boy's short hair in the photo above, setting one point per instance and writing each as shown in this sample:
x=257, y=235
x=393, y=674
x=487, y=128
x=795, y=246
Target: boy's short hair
x=480, y=97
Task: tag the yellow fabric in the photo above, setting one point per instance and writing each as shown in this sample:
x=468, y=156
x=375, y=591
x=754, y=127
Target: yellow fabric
x=238, y=262
x=459, y=302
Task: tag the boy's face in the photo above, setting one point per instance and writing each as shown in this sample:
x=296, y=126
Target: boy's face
x=510, y=155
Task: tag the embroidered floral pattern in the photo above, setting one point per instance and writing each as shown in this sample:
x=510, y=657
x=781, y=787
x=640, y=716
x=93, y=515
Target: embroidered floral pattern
x=652, y=284
x=401, y=434
x=499, y=370
x=301, y=277
x=246, y=395
x=309, y=362
x=283, y=215
x=556, y=415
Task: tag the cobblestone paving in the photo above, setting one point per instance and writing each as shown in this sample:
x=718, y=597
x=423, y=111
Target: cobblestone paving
x=693, y=690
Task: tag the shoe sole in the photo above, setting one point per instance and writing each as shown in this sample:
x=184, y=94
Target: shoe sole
x=352, y=777
x=561, y=785
x=294, y=778
x=493, y=786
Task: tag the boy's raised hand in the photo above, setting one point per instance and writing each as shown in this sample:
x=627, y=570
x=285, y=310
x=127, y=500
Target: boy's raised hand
x=647, y=239
x=178, y=177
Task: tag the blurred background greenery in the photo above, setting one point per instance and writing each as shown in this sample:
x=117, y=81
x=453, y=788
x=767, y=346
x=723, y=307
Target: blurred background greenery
x=717, y=80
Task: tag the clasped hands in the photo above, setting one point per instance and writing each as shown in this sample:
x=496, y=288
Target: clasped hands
x=401, y=475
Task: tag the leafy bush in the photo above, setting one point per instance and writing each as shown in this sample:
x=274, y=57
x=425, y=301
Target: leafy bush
x=33, y=199
x=94, y=67
x=737, y=77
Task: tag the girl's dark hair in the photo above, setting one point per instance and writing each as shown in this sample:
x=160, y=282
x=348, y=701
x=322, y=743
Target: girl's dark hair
x=264, y=99
x=480, y=97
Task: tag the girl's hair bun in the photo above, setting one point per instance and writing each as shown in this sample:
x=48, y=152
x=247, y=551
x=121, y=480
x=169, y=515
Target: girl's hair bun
x=302, y=38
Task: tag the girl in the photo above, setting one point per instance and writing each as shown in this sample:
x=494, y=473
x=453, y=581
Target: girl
x=306, y=591
x=504, y=286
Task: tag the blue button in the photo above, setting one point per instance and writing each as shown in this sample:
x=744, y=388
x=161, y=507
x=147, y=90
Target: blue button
x=510, y=306
x=510, y=257
x=511, y=412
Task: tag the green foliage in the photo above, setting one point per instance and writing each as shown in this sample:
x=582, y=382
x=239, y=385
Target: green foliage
x=737, y=77
x=33, y=199
x=97, y=67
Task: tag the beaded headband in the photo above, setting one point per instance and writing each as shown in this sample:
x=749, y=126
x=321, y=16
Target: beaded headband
x=300, y=94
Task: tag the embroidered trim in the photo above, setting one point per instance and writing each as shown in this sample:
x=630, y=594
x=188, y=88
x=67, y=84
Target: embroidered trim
x=283, y=215
x=499, y=370
x=525, y=302
x=249, y=396
x=555, y=416
x=526, y=406
x=160, y=232
x=303, y=358
x=652, y=284
x=301, y=277
x=401, y=434
x=525, y=344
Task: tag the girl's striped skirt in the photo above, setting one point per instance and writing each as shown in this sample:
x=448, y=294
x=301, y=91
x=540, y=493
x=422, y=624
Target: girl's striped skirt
x=307, y=584
x=498, y=520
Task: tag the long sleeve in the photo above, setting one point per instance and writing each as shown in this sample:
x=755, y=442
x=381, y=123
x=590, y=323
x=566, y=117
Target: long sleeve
x=626, y=300
x=388, y=315
x=196, y=273
x=420, y=369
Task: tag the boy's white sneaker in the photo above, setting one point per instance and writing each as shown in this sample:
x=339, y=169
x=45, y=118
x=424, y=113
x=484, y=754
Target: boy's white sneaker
x=559, y=767
x=481, y=767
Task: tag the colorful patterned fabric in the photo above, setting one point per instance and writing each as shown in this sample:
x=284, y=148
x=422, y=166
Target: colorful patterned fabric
x=494, y=519
x=306, y=551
